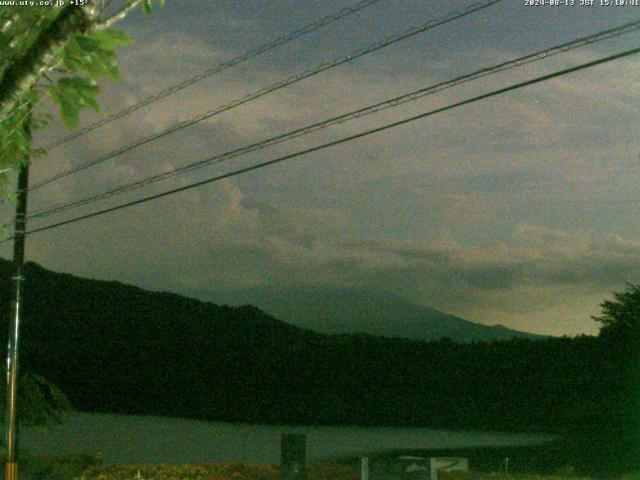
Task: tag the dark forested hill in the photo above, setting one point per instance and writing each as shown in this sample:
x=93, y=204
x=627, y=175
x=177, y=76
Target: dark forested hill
x=351, y=310
x=117, y=348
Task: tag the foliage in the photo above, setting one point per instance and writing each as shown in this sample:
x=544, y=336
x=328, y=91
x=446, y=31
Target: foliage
x=15, y=140
x=620, y=340
x=68, y=73
x=59, y=467
x=212, y=472
x=620, y=318
x=269, y=472
x=472, y=475
x=90, y=467
x=147, y=5
x=86, y=59
x=39, y=401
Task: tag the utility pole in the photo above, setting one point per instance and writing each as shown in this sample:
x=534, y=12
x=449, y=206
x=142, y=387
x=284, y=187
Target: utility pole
x=11, y=424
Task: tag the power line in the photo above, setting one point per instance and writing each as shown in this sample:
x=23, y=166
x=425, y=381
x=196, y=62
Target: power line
x=272, y=88
x=393, y=102
x=309, y=28
x=340, y=141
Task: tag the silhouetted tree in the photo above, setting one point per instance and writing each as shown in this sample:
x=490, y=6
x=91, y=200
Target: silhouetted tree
x=620, y=318
x=40, y=401
x=620, y=354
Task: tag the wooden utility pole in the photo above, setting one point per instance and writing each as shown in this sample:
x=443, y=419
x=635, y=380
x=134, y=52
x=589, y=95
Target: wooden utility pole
x=11, y=424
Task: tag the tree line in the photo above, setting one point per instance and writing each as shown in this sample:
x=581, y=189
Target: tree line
x=115, y=348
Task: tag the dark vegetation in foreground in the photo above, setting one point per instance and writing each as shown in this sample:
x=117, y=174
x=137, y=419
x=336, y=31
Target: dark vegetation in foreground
x=116, y=348
x=559, y=458
x=487, y=464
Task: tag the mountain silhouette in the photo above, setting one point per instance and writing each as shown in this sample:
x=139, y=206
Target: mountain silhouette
x=118, y=348
x=350, y=310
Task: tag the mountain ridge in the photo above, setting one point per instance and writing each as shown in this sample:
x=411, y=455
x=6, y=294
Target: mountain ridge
x=111, y=347
x=115, y=348
x=332, y=310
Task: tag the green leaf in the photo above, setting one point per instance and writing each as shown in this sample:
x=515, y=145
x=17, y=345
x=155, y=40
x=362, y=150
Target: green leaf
x=69, y=109
x=4, y=42
x=86, y=53
x=87, y=44
x=147, y=5
x=85, y=90
x=73, y=94
x=93, y=54
x=110, y=39
x=41, y=401
x=104, y=63
x=72, y=57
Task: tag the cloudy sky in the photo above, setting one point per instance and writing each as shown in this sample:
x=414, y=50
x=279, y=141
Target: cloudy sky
x=521, y=209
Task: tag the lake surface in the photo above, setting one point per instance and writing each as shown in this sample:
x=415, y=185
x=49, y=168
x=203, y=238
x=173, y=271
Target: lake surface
x=130, y=439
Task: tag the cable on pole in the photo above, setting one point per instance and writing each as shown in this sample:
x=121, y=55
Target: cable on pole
x=274, y=87
x=366, y=133
x=387, y=104
x=309, y=28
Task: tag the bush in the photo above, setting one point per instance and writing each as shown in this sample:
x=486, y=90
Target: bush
x=211, y=472
x=63, y=467
x=472, y=475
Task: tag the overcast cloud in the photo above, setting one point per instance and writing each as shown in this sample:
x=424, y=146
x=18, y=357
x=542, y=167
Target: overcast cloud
x=520, y=210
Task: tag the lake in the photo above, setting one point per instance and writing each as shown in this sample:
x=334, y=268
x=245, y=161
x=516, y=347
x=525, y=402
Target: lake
x=130, y=439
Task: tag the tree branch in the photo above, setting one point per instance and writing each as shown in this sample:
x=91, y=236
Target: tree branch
x=7, y=22
x=22, y=73
x=116, y=17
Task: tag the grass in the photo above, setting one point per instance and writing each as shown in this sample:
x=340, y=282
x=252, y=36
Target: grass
x=567, y=458
x=553, y=461
x=212, y=472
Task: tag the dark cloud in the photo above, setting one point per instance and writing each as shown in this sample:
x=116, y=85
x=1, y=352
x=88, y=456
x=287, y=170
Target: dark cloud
x=514, y=210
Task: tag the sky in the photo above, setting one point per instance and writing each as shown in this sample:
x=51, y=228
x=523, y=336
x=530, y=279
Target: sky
x=518, y=210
